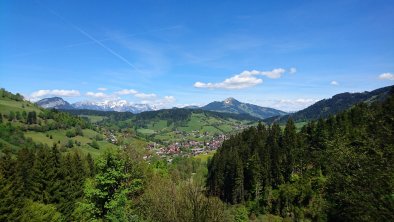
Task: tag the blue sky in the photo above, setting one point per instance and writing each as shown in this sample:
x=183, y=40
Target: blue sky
x=282, y=54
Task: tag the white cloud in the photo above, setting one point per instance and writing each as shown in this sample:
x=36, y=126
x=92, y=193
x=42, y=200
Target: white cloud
x=386, y=76
x=98, y=95
x=243, y=80
x=102, y=89
x=145, y=96
x=169, y=99
x=160, y=103
x=293, y=105
x=292, y=70
x=274, y=74
x=55, y=92
x=235, y=82
x=127, y=92
x=335, y=83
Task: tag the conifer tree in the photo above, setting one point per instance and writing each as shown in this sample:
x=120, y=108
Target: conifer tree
x=31, y=117
x=11, y=116
x=289, y=143
x=273, y=141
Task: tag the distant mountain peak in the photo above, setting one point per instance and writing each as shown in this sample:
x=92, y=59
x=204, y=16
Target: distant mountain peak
x=230, y=100
x=231, y=105
x=54, y=103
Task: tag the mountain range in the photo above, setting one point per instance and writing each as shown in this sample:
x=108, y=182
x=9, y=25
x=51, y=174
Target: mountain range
x=229, y=105
x=320, y=109
x=334, y=105
x=118, y=106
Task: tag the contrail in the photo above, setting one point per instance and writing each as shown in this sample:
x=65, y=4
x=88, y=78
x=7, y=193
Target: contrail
x=90, y=42
x=90, y=37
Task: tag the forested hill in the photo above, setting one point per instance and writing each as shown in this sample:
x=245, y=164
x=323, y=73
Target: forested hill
x=231, y=105
x=338, y=169
x=175, y=115
x=168, y=114
x=183, y=114
x=337, y=103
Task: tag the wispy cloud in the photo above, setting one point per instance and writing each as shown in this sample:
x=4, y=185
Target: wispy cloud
x=145, y=96
x=139, y=98
x=55, y=92
x=335, y=83
x=160, y=103
x=102, y=89
x=243, y=80
x=99, y=95
x=386, y=76
x=293, y=105
x=150, y=57
x=126, y=92
x=89, y=36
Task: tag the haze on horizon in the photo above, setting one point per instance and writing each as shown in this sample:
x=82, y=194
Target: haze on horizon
x=278, y=54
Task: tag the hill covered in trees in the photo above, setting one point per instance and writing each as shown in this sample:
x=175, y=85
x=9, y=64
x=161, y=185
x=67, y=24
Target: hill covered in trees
x=231, y=105
x=334, y=105
x=337, y=169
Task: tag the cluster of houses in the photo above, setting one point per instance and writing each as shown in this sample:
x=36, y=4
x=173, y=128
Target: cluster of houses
x=187, y=148
x=110, y=136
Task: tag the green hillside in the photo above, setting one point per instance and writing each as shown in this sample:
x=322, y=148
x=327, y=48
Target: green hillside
x=171, y=125
x=24, y=125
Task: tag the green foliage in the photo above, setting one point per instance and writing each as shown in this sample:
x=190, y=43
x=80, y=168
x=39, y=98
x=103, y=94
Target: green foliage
x=70, y=133
x=40, y=184
x=94, y=144
x=11, y=116
x=37, y=212
x=241, y=214
x=164, y=200
x=106, y=195
x=339, y=169
x=15, y=136
x=70, y=143
x=31, y=118
x=5, y=94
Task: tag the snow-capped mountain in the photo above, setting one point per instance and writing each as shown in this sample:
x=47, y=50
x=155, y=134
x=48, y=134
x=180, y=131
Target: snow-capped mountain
x=54, y=103
x=117, y=105
x=108, y=105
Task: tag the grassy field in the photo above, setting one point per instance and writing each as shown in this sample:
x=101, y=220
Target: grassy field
x=59, y=137
x=146, y=131
x=204, y=157
x=11, y=105
x=199, y=127
x=136, y=142
x=94, y=119
x=299, y=125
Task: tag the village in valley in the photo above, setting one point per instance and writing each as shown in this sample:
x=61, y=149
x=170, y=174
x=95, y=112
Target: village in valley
x=186, y=148
x=159, y=140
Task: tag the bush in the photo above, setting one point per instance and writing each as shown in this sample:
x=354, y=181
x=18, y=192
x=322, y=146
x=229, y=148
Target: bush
x=94, y=144
x=70, y=144
x=70, y=134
